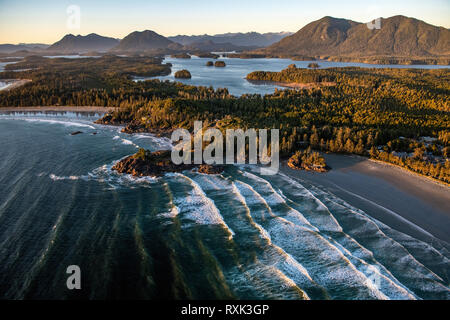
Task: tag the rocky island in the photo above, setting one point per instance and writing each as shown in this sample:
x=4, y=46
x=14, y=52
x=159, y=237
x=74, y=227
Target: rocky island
x=181, y=56
x=183, y=74
x=220, y=64
x=308, y=160
x=145, y=163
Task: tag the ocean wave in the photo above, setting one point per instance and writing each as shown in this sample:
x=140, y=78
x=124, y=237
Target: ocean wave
x=196, y=206
x=59, y=178
x=125, y=141
x=60, y=122
x=105, y=174
x=162, y=143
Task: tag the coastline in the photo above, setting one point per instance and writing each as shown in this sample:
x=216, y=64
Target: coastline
x=407, y=202
x=57, y=109
x=14, y=83
x=292, y=85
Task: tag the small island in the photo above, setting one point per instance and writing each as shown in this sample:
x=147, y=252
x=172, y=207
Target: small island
x=308, y=160
x=207, y=55
x=181, y=56
x=220, y=64
x=183, y=74
x=210, y=64
x=313, y=65
x=146, y=163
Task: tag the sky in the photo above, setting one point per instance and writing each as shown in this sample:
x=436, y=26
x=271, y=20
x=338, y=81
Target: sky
x=46, y=21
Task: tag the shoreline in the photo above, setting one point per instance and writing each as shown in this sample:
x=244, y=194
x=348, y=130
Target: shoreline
x=292, y=85
x=14, y=83
x=431, y=179
x=57, y=109
x=410, y=203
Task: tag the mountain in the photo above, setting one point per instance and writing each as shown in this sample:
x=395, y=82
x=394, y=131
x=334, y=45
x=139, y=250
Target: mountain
x=211, y=46
x=250, y=39
x=398, y=36
x=83, y=44
x=145, y=41
x=9, y=48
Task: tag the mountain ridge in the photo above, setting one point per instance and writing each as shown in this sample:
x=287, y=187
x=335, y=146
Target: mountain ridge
x=82, y=44
x=146, y=40
x=398, y=36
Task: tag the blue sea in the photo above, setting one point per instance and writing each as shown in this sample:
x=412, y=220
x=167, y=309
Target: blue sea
x=185, y=235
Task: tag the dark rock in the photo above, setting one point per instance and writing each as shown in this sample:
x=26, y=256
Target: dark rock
x=220, y=64
x=76, y=133
x=133, y=127
x=183, y=74
x=146, y=163
x=209, y=169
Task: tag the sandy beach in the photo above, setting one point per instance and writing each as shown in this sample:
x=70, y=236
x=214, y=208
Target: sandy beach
x=405, y=201
x=57, y=109
x=13, y=84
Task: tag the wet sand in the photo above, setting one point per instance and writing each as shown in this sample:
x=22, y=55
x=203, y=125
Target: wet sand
x=404, y=201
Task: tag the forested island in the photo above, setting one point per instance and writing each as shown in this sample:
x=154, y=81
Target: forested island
x=183, y=74
x=220, y=64
x=399, y=116
x=181, y=56
x=147, y=163
x=308, y=160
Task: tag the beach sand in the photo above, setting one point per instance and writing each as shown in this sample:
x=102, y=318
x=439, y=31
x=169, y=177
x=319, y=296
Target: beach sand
x=407, y=202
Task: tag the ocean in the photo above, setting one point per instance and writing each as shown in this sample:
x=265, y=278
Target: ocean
x=237, y=235
x=233, y=76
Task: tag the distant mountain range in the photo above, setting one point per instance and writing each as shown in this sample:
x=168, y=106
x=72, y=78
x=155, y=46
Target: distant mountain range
x=250, y=39
x=10, y=48
x=328, y=37
x=145, y=41
x=398, y=36
x=83, y=44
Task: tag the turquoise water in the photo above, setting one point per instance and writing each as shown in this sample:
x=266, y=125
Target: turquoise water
x=234, y=74
x=187, y=235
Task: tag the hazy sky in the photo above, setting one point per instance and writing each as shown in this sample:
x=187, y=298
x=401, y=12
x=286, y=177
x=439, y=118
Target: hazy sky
x=45, y=21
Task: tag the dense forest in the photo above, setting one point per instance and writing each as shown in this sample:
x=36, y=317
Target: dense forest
x=381, y=113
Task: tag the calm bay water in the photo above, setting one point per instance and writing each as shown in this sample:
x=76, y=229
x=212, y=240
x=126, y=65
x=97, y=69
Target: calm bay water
x=187, y=235
x=233, y=75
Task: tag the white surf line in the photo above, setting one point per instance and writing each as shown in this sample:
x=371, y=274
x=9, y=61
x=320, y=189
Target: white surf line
x=358, y=274
x=126, y=141
x=174, y=211
x=364, y=267
x=271, y=261
x=430, y=247
x=291, y=261
x=162, y=142
x=293, y=213
x=66, y=123
x=215, y=212
x=369, y=217
x=414, y=226
x=313, y=197
x=352, y=241
x=389, y=277
x=408, y=254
